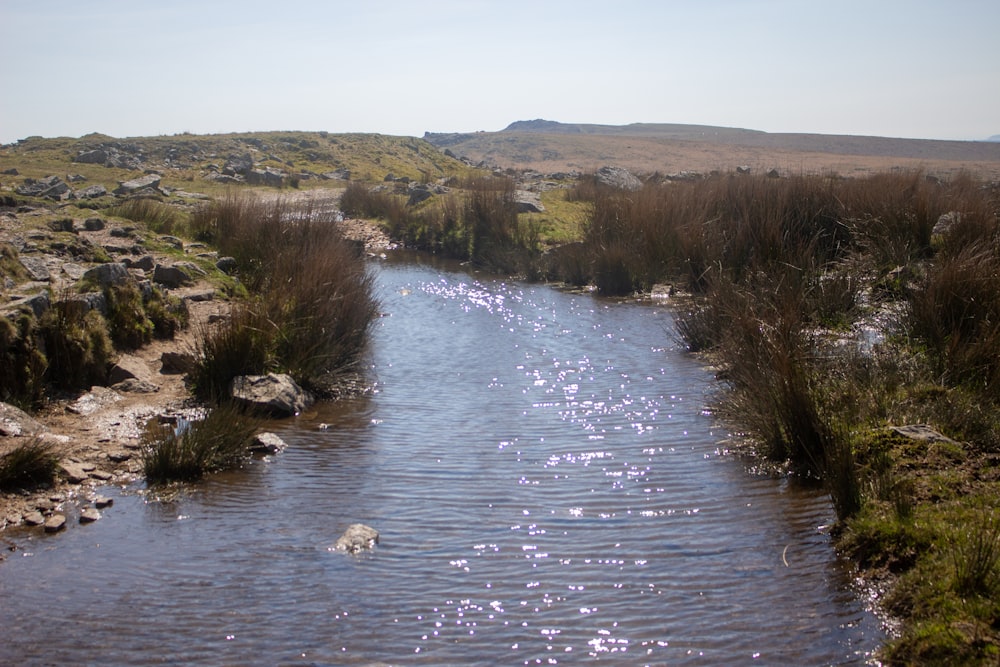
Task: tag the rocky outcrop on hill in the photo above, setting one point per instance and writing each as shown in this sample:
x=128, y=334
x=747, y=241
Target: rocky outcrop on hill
x=618, y=177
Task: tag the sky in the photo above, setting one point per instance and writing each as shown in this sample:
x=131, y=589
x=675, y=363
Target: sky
x=895, y=68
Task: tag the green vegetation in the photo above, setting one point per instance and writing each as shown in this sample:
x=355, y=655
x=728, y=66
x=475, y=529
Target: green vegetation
x=28, y=466
x=191, y=450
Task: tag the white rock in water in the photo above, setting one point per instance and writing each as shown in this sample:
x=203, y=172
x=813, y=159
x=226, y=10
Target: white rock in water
x=357, y=537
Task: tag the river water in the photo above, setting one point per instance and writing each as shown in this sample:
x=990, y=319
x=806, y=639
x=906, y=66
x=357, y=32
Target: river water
x=548, y=489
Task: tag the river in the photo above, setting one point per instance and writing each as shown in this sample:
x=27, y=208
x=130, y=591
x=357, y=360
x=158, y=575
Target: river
x=548, y=488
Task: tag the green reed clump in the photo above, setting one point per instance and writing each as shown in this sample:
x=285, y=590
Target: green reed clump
x=28, y=466
x=77, y=345
x=219, y=441
x=22, y=361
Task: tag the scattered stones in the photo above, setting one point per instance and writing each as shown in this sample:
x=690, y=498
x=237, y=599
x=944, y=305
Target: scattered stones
x=274, y=394
x=89, y=515
x=358, y=537
x=55, y=523
x=267, y=443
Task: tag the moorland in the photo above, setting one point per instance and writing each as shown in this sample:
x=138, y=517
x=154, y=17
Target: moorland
x=845, y=289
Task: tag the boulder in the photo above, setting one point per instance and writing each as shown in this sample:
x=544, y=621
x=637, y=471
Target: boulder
x=36, y=267
x=90, y=301
x=14, y=421
x=62, y=225
x=137, y=184
x=146, y=263
x=226, y=264
x=89, y=515
x=418, y=193
x=274, y=394
x=266, y=443
x=37, y=303
x=171, y=276
x=358, y=537
x=51, y=186
x=944, y=224
x=528, y=202
x=176, y=362
x=113, y=273
x=94, y=224
x=97, y=156
x=135, y=386
x=73, y=472
x=271, y=177
x=128, y=367
x=617, y=177
x=238, y=164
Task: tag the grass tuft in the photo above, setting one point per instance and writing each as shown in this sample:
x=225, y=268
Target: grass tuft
x=28, y=466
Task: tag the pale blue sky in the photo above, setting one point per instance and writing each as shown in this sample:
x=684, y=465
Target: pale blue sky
x=879, y=67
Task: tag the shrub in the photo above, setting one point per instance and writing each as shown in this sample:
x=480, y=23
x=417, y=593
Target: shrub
x=186, y=453
x=128, y=324
x=28, y=466
x=22, y=363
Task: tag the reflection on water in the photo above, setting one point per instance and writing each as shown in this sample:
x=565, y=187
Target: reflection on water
x=547, y=489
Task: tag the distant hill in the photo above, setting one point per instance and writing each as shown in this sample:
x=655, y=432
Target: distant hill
x=551, y=146
x=995, y=137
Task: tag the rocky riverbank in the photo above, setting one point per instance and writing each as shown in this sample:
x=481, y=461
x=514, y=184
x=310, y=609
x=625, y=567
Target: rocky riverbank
x=96, y=434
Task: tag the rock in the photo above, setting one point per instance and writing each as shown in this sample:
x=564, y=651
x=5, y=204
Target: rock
x=51, y=186
x=92, y=192
x=55, y=523
x=34, y=518
x=617, y=177
x=200, y=296
x=171, y=276
x=743, y=169
x=238, y=164
x=358, y=537
x=528, y=202
x=113, y=273
x=72, y=271
x=73, y=472
x=266, y=443
x=275, y=394
x=921, y=433
x=226, y=264
x=93, y=400
x=91, y=301
x=146, y=263
x=89, y=515
x=137, y=184
x=271, y=177
x=176, y=362
x=102, y=475
x=128, y=367
x=418, y=193
x=36, y=267
x=15, y=421
x=94, y=224
x=45, y=505
x=37, y=303
x=96, y=156
x=773, y=173
x=173, y=241
x=100, y=502
x=135, y=386
x=944, y=224
x=341, y=174
x=62, y=225
x=122, y=232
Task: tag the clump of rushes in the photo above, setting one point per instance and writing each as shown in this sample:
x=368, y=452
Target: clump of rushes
x=159, y=217
x=191, y=450
x=313, y=304
x=28, y=466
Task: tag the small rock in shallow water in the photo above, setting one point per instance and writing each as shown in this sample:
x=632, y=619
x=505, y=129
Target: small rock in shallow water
x=357, y=537
x=266, y=443
x=89, y=515
x=100, y=502
x=34, y=518
x=55, y=523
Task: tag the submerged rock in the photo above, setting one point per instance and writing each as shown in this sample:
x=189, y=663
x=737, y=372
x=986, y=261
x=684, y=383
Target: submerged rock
x=357, y=537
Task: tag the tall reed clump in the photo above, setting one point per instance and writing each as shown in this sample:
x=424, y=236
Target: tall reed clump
x=187, y=452
x=312, y=300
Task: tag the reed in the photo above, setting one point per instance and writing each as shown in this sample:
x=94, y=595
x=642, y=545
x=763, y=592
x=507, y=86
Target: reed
x=28, y=466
